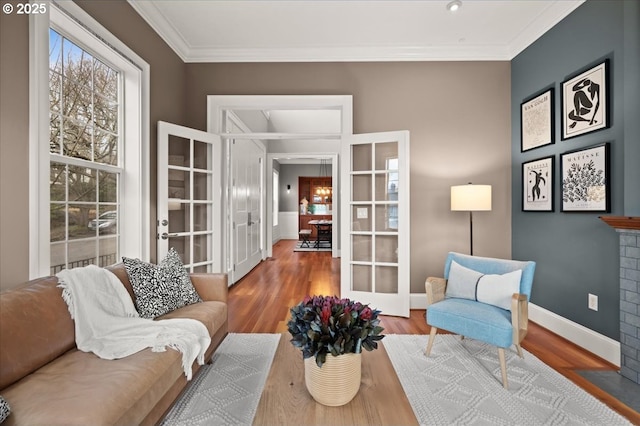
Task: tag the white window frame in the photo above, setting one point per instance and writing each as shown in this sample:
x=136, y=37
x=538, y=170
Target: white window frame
x=276, y=196
x=134, y=196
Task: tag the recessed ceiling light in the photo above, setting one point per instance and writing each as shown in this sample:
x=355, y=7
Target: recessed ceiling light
x=454, y=5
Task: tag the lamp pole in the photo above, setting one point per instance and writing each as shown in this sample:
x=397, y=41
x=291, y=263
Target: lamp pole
x=471, y=233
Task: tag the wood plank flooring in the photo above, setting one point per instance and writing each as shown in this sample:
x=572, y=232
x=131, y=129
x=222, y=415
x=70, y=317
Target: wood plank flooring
x=260, y=303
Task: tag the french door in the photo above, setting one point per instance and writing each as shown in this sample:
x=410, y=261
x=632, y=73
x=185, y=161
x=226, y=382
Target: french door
x=189, y=196
x=375, y=221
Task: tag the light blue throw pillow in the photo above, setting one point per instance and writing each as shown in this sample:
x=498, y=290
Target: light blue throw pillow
x=492, y=289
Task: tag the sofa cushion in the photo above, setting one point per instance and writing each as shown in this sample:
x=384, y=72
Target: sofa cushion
x=161, y=288
x=493, y=289
x=79, y=388
x=212, y=314
x=35, y=328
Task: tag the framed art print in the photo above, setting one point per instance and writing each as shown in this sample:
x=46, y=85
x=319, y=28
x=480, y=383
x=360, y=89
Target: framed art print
x=585, y=101
x=537, y=185
x=585, y=180
x=536, y=121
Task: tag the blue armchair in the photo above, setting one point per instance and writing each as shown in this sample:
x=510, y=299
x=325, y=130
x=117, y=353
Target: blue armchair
x=481, y=298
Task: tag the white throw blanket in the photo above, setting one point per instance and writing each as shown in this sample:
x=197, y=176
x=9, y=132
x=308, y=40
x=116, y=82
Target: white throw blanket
x=107, y=323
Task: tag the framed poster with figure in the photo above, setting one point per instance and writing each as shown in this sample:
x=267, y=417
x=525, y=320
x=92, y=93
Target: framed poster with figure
x=585, y=101
x=585, y=180
x=536, y=121
x=537, y=185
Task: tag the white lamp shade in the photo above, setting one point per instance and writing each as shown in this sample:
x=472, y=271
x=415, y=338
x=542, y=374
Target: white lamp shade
x=471, y=198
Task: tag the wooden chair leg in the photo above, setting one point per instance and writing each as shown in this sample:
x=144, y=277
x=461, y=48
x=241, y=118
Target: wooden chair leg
x=520, y=354
x=432, y=336
x=503, y=367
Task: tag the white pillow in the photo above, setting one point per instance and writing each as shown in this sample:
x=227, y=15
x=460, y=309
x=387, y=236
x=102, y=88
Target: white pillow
x=492, y=289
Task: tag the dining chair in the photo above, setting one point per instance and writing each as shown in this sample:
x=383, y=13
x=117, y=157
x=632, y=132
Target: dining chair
x=324, y=234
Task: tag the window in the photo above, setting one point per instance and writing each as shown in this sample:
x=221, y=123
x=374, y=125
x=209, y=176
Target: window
x=91, y=149
x=392, y=193
x=84, y=138
x=276, y=197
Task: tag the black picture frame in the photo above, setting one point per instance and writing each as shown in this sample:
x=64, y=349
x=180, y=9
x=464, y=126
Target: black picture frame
x=585, y=101
x=538, y=183
x=537, y=120
x=586, y=180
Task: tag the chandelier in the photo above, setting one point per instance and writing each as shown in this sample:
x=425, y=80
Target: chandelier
x=324, y=171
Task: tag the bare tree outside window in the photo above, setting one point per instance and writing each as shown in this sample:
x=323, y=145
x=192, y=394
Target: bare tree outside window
x=83, y=143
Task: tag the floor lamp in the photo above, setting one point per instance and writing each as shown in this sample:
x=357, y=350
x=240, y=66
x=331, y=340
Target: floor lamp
x=471, y=198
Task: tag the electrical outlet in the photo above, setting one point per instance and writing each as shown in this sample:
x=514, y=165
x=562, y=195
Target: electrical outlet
x=593, y=302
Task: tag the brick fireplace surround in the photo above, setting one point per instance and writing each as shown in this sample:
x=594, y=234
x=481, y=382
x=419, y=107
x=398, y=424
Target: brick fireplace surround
x=629, y=230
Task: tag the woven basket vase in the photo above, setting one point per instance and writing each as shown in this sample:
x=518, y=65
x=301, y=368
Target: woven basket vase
x=337, y=382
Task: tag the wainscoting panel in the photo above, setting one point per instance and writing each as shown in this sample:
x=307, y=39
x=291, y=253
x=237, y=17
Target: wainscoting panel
x=288, y=224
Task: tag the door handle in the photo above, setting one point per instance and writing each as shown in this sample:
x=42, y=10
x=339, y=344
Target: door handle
x=165, y=235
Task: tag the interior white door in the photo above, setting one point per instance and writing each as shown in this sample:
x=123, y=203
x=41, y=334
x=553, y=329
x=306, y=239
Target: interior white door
x=246, y=205
x=189, y=204
x=375, y=221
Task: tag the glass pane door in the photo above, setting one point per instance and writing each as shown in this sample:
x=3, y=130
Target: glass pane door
x=375, y=267
x=188, y=211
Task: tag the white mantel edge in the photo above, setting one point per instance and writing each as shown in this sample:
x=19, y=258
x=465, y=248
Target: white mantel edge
x=596, y=343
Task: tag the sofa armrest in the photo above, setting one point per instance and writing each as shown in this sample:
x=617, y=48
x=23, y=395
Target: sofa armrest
x=435, y=288
x=211, y=286
x=519, y=316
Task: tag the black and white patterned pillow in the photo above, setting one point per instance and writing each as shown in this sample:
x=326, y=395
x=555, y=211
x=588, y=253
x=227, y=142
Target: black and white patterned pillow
x=160, y=288
x=5, y=410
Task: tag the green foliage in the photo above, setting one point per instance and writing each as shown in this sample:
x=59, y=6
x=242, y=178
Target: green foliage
x=322, y=325
x=580, y=180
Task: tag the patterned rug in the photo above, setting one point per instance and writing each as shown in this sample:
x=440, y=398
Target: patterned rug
x=324, y=246
x=460, y=384
x=227, y=391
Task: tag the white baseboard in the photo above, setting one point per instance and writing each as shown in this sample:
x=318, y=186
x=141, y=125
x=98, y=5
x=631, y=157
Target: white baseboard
x=596, y=343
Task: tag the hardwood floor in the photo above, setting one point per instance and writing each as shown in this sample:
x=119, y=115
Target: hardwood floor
x=260, y=303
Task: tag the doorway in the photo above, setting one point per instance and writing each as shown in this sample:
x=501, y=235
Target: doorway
x=313, y=159
x=311, y=142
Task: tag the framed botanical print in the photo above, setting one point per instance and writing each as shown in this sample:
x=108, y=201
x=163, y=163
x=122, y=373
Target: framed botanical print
x=538, y=184
x=585, y=180
x=585, y=101
x=537, y=121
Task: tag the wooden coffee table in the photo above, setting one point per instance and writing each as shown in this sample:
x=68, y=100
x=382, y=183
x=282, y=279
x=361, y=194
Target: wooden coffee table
x=286, y=401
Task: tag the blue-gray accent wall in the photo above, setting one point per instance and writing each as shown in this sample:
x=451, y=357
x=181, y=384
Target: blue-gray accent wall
x=577, y=253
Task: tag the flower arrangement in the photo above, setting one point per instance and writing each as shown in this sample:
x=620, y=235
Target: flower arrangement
x=322, y=325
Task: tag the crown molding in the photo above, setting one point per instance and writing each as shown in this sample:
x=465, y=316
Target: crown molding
x=459, y=52
x=543, y=23
x=351, y=54
x=150, y=13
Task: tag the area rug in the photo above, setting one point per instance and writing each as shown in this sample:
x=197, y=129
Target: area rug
x=324, y=246
x=460, y=384
x=227, y=391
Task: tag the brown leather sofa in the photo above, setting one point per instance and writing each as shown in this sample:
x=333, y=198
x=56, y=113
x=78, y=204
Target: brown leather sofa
x=47, y=381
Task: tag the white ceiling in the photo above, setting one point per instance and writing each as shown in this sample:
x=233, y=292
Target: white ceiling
x=355, y=30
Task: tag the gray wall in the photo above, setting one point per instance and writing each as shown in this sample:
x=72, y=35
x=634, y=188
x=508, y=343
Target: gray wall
x=577, y=253
x=14, y=149
x=289, y=174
